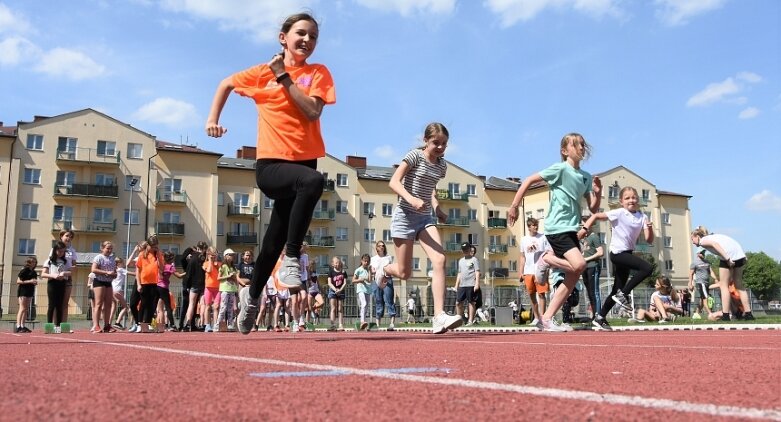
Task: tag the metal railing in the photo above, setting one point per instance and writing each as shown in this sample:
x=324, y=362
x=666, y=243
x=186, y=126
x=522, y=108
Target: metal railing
x=87, y=155
x=446, y=195
x=497, y=223
x=178, y=197
x=84, y=225
x=176, y=229
x=85, y=189
x=242, y=238
x=248, y=210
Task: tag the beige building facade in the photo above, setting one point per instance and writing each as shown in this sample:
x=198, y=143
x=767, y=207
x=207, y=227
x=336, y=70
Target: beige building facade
x=107, y=180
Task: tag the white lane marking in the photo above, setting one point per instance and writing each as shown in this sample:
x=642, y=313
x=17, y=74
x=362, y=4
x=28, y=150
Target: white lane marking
x=555, y=393
x=634, y=346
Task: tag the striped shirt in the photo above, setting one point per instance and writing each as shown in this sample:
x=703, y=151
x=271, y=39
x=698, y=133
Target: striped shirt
x=421, y=179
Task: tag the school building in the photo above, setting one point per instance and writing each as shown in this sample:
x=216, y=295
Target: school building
x=106, y=180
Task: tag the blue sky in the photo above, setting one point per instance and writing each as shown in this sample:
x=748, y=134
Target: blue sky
x=685, y=93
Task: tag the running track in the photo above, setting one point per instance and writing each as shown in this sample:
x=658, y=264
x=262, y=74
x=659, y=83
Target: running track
x=644, y=375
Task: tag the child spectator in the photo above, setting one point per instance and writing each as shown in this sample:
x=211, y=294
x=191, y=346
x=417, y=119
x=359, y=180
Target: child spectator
x=337, y=281
x=361, y=281
x=27, y=280
x=229, y=289
x=56, y=275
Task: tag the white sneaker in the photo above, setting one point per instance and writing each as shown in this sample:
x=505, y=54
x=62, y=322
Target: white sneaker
x=248, y=311
x=552, y=326
x=541, y=272
x=538, y=323
x=290, y=274
x=443, y=322
x=57, y=330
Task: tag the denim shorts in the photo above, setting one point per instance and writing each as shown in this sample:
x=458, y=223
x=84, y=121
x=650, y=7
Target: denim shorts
x=409, y=224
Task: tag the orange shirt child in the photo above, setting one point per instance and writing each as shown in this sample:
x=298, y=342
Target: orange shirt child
x=213, y=276
x=148, y=268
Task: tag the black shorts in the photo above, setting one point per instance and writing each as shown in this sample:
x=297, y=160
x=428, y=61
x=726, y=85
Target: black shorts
x=25, y=290
x=98, y=283
x=701, y=290
x=739, y=263
x=466, y=294
x=562, y=243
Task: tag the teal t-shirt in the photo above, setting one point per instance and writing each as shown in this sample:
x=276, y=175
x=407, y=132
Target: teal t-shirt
x=567, y=186
x=361, y=273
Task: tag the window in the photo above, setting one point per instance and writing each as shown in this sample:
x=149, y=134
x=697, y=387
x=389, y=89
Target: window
x=612, y=191
x=66, y=147
x=387, y=210
x=35, y=142
x=107, y=148
x=341, y=207
x=668, y=265
x=429, y=266
x=472, y=238
x=26, y=247
x=471, y=190
x=66, y=178
x=646, y=195
x=172, y=185
x=368, y=208
x=513, y=265
x=495, y=239
x=171, y=217
x=472, y=215
x=268, y=202
x=239, y=228
x=341, y=233
x=95, y=246
x=63, y=213
x=665, y=218
x=103, y=215
x=416, y=264
x=240, y=199
x=493, y=214
x=103, y=179
x=386, y=236
x=135, y=151
x=368, y=235
x=220, y=199
x=132, y=215
x=169, y=247
x=220, y=228
x=343, y=258
x=454, y=213
x=32, y=176
x=322, y=205
x=540, y=213
x=668, y=242
x=131, y=185
x=454, y=188
x=513, y=241
x=341, y=179
x=29, y=211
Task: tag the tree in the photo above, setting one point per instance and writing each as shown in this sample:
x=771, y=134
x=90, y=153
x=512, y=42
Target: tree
x=761, y=274
x=651, y=279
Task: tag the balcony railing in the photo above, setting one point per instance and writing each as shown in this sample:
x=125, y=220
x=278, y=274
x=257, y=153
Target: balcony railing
x=320, y=241
x=171, y=229
x=329, y=214
x=497, y=248
x=446, y=195
x=87, y=190
x=613, y=200
x=452, y=247
x=499, y=272
x=179, y=197
x=87, y=155
x=248, y=210
x=242, y=238
x=456, y=221
x=84, y=225
x=497, y=223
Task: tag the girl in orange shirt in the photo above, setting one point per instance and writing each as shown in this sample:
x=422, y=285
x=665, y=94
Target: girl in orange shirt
x=150, y=265
x=211, y=295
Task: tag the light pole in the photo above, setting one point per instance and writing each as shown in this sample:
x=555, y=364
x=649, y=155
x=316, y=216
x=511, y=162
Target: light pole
x=133, y=183
x=370, y=238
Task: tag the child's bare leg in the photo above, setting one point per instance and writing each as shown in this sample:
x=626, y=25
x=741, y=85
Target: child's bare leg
x=432, y=245
x=573, y=259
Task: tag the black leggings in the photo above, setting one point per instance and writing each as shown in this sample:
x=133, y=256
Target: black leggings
x=623, y=263
x=148, y=302
x=165, y=295
x=135, y=300
x=295, y=187
x=55, y=289
x=183, y=305
x=591, y=281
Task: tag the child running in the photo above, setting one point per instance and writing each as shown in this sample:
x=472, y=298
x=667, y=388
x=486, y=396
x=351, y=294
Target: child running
x=118, y=289
x=627, y=223
x=568, y=183
x=415, y=180
x=27, y=280
x=289, y=94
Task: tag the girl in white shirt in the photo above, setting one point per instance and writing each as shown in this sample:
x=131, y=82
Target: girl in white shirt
x=627, y=223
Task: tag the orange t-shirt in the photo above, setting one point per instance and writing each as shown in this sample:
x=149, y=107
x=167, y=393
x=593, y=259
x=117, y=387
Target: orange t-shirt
x=213, y=276
x=283, y=130
x=148, y=269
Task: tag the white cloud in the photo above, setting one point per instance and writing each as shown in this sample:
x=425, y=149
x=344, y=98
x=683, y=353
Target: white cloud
x=15, y=50
x=385, y=151
x=260, y=19
x=513, y=11
x=71, y=64
x=725, y=91
x=167, y=111
x=750, y=77
x=749, y=113
x=410, y=7
x=678, y=12
x=13, y=23
x=764, y=201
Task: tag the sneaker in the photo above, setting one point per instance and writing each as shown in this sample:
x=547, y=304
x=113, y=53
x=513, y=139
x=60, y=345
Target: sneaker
x=552, y=326
x=601, y=324
x=332, y=328
x=290, y=274
x=696, y=315
x=118, y=326
x=391, y=328
x=255, y=328
x=748, y=316
x=269, y=328
x=132, y=328
x=57, y=330
x=18, y=330
x=232, y=327
x=663, y=321
x=443, y=322
x=26, y=330
x=621, y=299
x=469, y=324
x=537, y=323
x=635, y=320
x=208, y=328
x=541, y=272
x=301, y=328
x=295, y=327
x=216, y=328
x=566, y=327
x=248, y=311
x=364, y=325
x=725, y=317
x=671, y=317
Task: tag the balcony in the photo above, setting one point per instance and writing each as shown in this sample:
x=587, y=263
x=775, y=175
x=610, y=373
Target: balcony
x=446, y=195
x=243, y=210
x=84, y=225
x=320, y=241
x=87, y=156
x=170, y=197
x=329, y=214
x=169, y=229
x=242, y=238
x=497, y=248
x=644, y=248
x=497, y=223
x=613, y=201
x=329, y=185
x=87, y=191
x=499, y=272
x=456, y=222
x=452, y=247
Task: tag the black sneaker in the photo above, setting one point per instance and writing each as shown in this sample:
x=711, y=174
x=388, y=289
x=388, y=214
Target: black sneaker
x=748, y=316
x=18, y=330
x=601, y=324
x=621, y=299
x=725, y=317
x=26, y=330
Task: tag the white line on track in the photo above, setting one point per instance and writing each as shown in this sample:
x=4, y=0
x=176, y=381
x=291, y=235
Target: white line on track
x=555, y=393
x=633, y=346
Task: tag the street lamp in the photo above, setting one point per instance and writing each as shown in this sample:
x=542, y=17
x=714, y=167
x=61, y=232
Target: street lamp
x=133, y=183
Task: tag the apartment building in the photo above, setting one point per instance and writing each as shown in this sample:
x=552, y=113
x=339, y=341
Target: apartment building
x=107, y=180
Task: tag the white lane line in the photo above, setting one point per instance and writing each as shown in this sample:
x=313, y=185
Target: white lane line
x=555, y=393
x=633, y=346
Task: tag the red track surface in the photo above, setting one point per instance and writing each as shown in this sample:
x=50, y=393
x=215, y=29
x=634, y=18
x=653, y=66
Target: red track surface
x=648, y=375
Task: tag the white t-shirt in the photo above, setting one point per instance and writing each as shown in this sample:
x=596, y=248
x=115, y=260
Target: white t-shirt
x=118, y=284
x=626, y=228
x=411, y=304
x=731, y=247
x=378, y=262
x=532, y=247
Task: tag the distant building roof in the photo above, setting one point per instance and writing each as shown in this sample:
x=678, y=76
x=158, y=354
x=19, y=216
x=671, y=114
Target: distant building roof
x=236, y=163
x=664, y=192
x=7, y=130
x=168, y=146
x=375, y=173
x=501, y=184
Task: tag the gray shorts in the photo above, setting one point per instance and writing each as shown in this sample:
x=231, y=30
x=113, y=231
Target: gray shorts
x=408, y=224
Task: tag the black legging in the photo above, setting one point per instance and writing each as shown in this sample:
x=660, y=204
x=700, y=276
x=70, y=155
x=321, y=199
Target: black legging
x=148, y=302
x=591, y=281
x=165, y=295
x=623, y=263
x=55, y=289
x=183, y=305
x=295, y=187
x=135, y=300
